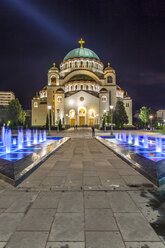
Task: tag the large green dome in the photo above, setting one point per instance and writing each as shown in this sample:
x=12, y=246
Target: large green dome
x=81, y=53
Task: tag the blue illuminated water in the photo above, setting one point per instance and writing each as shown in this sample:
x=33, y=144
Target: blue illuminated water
x=27, y=148
x=155, y=149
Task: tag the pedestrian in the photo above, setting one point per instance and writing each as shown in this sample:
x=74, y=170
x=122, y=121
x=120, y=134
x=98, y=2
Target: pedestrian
x=93, y=131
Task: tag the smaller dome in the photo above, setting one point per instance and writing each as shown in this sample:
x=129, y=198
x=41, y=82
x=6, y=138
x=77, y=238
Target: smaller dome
x=108, y=68
x=54, y=67
x=103, y=90
x=60, y=90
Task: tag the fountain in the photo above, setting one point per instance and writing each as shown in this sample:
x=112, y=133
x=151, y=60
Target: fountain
x=136, y=142
x=158, y=144
x=44, y=135
x=129, y=139
x=3, y=135
x=40, y=136
x=28, y=137
x=120, y=138
x=124, y=137
x=8, y=140
x=14, y=141
x=35, y=137
x=116, y=136
x=145, y=143
x=20, y=139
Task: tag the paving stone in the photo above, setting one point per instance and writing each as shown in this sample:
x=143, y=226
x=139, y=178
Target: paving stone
x=28, y=239
x=37, y=219
x=104, y=240
x=67, y=227
x=113, y=181
x=3, y=244
x=24, y=202
x=140, y=196
x=2, y=210
x=65, y=245
x=30, y=183
x=118, y=163
x=134, y=227
x=96, y=199
x=150, y=214
x=47, y=200
x=99, y=220
x=73, y=183
x=9, y=197
x=136, y=180
x=144, y=245
x=91, y=181
x=127, y=172
x=54, y=180
x=122, y=202
x=8, y=224
x=71, y=202
x=55, y=173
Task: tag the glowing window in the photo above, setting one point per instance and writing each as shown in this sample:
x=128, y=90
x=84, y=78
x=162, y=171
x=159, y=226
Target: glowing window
x=53, y=80
x=104, y=99
x=109, y=80
x=59, y=99
x=76, y=87
x=35, y=104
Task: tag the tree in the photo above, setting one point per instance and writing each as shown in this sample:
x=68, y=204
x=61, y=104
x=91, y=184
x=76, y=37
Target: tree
x=15, y=113
x=119, y=115
x=144, y=115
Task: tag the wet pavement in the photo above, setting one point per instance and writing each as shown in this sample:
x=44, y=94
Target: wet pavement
x=83, y=196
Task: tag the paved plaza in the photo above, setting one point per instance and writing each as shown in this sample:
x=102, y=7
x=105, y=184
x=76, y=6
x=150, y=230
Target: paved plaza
x=83, y=196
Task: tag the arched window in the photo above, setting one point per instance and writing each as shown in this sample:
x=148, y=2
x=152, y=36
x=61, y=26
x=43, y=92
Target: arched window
x=91, y=87
x=76, y=87
x=81, y=87
x=59, y=99
x=109, y=79
x=86, y=87
x=71, y=88
x=53, y=80
x=81, y=64
x=104, y=98
x=35, y=104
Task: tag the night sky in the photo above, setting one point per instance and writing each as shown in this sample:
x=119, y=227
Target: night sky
x=130, y=34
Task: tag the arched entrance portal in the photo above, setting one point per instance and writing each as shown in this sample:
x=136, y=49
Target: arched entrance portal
x=91, y=117
x=81, y=117
x=72, y=117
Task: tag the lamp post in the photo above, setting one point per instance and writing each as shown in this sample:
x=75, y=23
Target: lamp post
x=151, y=117
x=111, y=108
x=49, y=109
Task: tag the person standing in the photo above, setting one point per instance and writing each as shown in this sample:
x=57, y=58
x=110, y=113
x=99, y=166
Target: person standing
x=93, y=131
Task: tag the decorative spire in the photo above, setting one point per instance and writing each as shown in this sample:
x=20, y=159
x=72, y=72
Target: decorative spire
x=108, y=64
x=54, y=65
x=81, y=42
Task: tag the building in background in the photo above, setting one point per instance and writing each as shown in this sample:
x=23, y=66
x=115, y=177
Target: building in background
x=6, y=97
x=80, y=92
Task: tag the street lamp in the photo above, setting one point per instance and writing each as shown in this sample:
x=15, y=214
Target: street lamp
x=111, y=108
x=49, y=109
x=150, y=117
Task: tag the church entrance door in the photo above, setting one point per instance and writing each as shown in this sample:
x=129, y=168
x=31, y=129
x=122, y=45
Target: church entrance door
x=72, y=122
x=82, y=120
x=91, y=122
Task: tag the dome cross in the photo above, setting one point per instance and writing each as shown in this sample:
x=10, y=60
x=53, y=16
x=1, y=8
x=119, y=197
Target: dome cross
x=54, y=65
x=81, y=42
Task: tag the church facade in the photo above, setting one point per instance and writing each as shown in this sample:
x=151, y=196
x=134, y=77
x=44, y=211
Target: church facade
x=80, y=92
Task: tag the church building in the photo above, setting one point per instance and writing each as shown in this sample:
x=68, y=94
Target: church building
x=80, y=92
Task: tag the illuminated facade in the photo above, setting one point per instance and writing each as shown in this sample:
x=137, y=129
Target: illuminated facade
x=80, y=92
